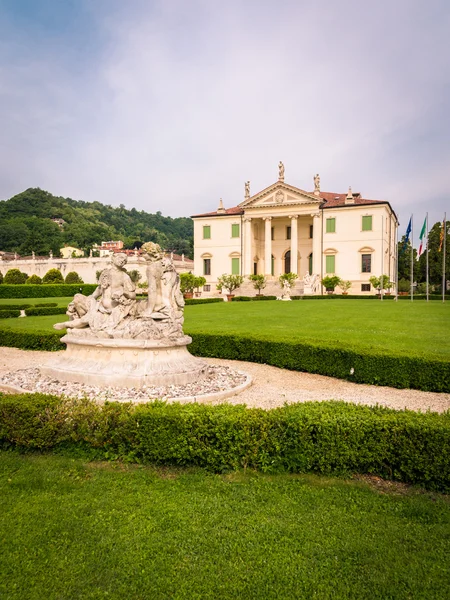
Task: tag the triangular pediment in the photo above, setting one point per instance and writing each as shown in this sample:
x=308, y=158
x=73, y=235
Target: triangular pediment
x=280, y=194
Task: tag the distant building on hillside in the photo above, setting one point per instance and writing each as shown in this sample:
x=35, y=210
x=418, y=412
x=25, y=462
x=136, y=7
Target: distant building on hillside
x=284, y=229
x=107, y=248
x=71, y=252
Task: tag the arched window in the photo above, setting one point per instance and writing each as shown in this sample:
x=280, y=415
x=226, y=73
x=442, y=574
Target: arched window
x=287, y=262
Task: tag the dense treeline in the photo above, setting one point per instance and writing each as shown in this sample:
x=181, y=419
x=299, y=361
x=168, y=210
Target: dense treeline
x=26, y=225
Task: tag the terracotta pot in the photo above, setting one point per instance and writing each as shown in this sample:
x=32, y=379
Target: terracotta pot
x=188, y=295
x=230, y=297
x=345, y=293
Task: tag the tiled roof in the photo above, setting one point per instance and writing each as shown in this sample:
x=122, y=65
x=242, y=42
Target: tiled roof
x=333, y=200
x=235, y=210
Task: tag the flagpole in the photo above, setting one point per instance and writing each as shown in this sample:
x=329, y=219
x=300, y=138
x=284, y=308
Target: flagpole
x=443, y=258
x=396, y=262
x=382, y=258
x=426, y=268
x=412, y=259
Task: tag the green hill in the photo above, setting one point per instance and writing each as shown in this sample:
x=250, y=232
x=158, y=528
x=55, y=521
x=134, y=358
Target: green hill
x=26, y=225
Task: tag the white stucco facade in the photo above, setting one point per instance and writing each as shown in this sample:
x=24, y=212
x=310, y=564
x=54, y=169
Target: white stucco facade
x=285, y=229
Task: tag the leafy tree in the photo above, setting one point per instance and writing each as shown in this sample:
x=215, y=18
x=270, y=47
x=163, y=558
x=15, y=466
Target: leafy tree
x=330, y=282
x=404, y=259
x=289, y=277
x=15, y=277
x=381, y=282
x=53, y=276
x=229, y=282
x=435, y=257
x=199, y=282
x=73, y=277
x=344, y=285
x=187, y=282
x=33, y=280
x=259, y=282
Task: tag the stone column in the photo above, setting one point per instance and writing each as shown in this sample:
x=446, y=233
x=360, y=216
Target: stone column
x=247, y=246
x=268, y=246
x=294, y=244
x=316, y=249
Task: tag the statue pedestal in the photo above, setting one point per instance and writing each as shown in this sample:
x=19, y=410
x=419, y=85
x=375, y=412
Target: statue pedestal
x=125, y=362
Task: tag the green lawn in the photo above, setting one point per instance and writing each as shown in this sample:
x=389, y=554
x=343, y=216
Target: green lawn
x=75, y=530
x=408, y=328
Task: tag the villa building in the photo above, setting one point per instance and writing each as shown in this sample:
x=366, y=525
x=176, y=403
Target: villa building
x=285, y=229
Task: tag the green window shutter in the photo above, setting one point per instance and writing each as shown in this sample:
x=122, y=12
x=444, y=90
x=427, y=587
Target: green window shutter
x=331, y=225
x=235, y=230
x=330, y=264
x=367, y=223
x=310, y=263
x=272, y=265
x=206, y=232
x=235, y=266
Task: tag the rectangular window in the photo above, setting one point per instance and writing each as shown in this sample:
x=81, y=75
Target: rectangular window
x=366, y=263
x=235, y=266
x=206, y=232
x=255, y=268
x=235, y=230
x=311, y=231
x=331, y=225
x=272, y=233
x=207, y=288
x=365, y=287
x=367, y=223
x=330, y=264
x=288, y=232
x=206, y=266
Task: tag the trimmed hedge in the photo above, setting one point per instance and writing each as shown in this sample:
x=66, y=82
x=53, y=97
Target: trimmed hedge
x=9, y=314
x=45, y=291
x=252, y=298
x=344, y=363
x=14, y=306
x=47, y=310
x=32, y=340
x=319, y=437
x=190, y=301
x=42, y=304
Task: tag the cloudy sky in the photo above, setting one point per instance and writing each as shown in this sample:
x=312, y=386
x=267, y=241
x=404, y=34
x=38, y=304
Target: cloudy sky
x=171, y=104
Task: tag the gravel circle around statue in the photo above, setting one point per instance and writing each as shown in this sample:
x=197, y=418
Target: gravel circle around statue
x=219, y=381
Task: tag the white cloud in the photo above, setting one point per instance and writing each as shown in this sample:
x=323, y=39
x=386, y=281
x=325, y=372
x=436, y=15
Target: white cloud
x=186, y=101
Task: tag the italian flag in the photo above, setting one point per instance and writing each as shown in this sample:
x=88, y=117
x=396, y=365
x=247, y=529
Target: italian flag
x=422, y=236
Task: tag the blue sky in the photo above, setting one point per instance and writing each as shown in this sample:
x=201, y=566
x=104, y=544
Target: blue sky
x=169, y=105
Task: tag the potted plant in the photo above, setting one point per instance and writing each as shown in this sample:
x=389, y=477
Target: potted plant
x=229, y=283
x=403, y=287
x=345, y=286
x=199, y=282
x=381, y=283
x=259, y=282
x=330, y=282
x=187, y=284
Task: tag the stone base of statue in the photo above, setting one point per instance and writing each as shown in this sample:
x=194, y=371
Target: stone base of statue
x=130, y=363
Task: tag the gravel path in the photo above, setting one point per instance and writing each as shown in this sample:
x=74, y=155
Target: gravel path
x=273, y=387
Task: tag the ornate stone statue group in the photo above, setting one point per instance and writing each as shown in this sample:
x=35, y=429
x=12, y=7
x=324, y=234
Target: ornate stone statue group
x=113, y=311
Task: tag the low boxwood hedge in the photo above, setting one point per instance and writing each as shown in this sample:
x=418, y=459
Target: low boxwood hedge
x=9, y=314
x=32, y=340
x=252, y=298
x=45, y=291
x=190, y=301
x=42, y=304
x=45, y=310
x=397, y=371
x=328, y=437
x=14, y=306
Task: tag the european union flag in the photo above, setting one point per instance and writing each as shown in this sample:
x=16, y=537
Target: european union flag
x=407, y=234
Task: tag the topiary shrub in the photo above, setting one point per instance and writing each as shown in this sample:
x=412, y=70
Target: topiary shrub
x=15, y=277
x=53, y=276
x=73, y=277
x=33, y=280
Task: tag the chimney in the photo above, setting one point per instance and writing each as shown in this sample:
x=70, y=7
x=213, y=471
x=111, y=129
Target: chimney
x=349, y=199
x=220, y=208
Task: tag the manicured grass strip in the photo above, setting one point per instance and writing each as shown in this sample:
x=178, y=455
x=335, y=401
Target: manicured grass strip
x=322, y=437
x=72, y=530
